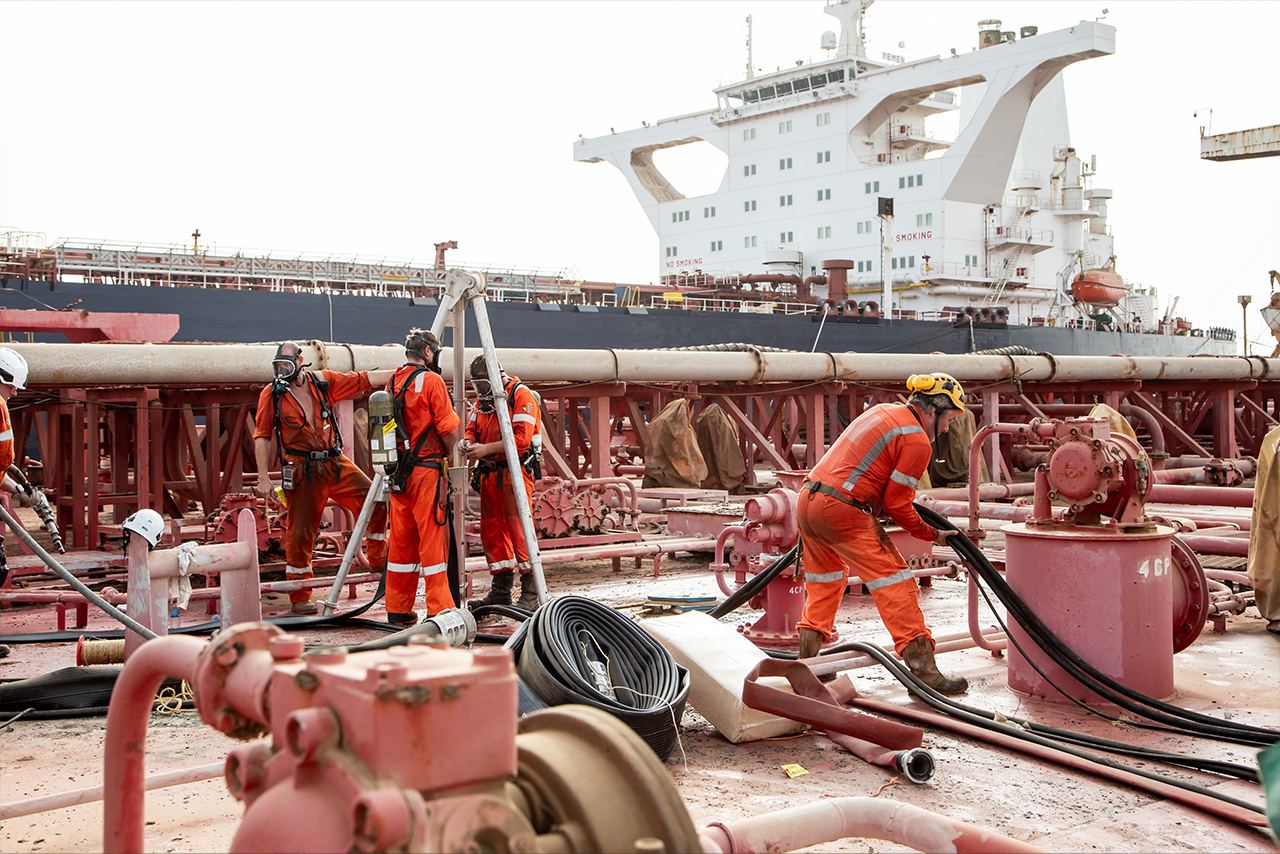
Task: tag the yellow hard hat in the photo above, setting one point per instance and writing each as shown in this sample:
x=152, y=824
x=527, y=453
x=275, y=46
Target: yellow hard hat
x=937, y=383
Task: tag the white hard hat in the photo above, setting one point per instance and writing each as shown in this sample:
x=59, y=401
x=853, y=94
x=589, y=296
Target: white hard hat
x=13, y=368
x=147, y=523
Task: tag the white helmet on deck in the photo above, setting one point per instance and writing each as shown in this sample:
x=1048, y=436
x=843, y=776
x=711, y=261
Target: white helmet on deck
x=13, y=368
x=146, y=523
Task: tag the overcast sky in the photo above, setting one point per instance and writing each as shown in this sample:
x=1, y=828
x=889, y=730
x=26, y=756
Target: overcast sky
x=380, y=128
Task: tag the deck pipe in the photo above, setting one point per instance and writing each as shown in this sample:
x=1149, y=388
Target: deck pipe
x=827, y=821
x=93, y=794
x=56, y=364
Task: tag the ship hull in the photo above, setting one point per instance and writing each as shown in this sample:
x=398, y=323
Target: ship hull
x=227, y=315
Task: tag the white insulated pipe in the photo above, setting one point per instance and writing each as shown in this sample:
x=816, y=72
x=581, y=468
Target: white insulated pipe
x=107, y=364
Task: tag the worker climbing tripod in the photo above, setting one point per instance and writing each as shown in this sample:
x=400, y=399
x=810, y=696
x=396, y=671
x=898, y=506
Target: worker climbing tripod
x=461, y=289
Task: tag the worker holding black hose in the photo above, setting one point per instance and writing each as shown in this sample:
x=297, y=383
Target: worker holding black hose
x=875, y=468
x=297, y=409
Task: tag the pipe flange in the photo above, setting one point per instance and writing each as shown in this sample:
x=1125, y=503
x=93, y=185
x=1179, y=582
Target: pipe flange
x=1190, y=595
x=214, y=666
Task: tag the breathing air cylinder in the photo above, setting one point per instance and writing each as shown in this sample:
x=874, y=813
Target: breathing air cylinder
x=382, y=431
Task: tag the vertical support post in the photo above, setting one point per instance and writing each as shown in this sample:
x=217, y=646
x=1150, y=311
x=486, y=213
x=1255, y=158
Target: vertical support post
x=991, y=415
x=139, y=593
x=240, y=594
x=815, y=429
x=1224, y=426
x=601, y=421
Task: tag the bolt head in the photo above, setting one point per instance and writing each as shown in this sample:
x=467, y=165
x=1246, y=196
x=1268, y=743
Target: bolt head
x=227, y=654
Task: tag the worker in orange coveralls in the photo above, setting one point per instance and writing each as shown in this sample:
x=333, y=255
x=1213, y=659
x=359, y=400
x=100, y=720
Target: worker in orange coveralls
x=500, y=532
x=13, y=378
x=427, y=430
x=874, y=467
x=297, y=410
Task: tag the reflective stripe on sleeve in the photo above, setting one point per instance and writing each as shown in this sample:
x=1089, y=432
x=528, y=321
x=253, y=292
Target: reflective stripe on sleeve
x=905, y=479
x=7, y=435
x=527, y=419
x=889, y=580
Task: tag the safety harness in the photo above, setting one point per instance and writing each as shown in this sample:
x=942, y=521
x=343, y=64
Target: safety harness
x=530, y=461
x=410, y=458
x=320, y=388
x=814, y=486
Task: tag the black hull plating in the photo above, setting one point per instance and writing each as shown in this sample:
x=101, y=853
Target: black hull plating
x=212, y=314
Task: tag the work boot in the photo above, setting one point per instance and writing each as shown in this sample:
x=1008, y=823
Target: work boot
x=499, y=590
x=4, y=651
x=528, y=600
x=409, y=619
x=919, y=658
x=305, y=609
x=810, y=643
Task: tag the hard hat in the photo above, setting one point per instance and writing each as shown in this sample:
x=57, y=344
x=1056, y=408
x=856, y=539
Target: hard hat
x=146, y=523
x=13, y=368
x=938, y=384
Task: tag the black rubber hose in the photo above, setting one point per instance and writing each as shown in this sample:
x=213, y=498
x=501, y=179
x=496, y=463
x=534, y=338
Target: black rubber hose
x=956, y=710
x=346, y=618
x=1184, y=720
x=577, y=650
x=761, y=580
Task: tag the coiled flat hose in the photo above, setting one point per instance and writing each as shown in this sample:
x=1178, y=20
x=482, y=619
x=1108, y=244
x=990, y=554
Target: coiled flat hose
x=1168, y=716
x=577, y=650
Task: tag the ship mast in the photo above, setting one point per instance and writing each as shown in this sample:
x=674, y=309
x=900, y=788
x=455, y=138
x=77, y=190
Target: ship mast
x=850, y=14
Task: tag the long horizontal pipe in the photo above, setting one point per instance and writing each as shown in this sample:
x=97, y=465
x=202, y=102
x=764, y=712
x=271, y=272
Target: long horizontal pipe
x=156, y=364
x=1207, y=496
x=1221, y=546
x=91, y=794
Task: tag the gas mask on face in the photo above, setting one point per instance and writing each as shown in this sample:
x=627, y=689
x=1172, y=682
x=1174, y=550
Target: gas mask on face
x=285, y=366
x=484, y=395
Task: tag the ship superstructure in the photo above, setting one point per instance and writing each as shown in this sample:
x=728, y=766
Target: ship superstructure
x=1002, y=217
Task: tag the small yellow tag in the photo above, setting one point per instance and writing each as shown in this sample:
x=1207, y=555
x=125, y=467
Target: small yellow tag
x=793, y=771
x=389, y=427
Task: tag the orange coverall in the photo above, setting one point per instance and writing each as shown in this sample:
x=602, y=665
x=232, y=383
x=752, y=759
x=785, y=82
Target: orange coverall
x=318, y=481
x=419, y=532
x=6, y=438
x=877, y=461
x=500, y=531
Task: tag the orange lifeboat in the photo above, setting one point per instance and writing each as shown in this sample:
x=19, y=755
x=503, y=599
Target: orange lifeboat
x=1099, y=287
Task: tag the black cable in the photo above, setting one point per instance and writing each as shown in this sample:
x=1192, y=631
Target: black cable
x=1184, y=720
x=578, y=650
x=956, y=710
x=757, y=584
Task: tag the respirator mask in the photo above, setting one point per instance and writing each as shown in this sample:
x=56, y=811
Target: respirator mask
x=285, y=366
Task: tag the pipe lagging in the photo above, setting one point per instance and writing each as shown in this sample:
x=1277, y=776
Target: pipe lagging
x=834, y=819
x=66, y=575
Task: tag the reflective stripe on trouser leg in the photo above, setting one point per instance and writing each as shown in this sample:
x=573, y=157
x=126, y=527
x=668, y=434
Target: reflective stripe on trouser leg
x=435, y=580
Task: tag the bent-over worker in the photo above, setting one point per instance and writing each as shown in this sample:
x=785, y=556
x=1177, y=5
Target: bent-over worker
x=875, y=467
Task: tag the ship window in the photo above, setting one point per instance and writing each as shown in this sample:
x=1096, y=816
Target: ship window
x=818, y=80
x=748, y=242
x=924, y=219
x=919, y=180
x=824, y=231
x=836, y=76
x=784, y=163
x=824, y=195
x=748, y=170
x=824, y=156
x=717, y=245
x=671, y=251
x=784, y=237
x=749, y=206
x=784, y=88
x=824, y=119
x=748, y=134
x=911, y=260
x=784, y=127
x=872, y=187
x=765, y=92
x=801, y=85
x=751, y=97
x=784, y=201
x=971, y=260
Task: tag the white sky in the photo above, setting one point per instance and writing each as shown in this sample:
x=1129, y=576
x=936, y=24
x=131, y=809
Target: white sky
x=380, y=128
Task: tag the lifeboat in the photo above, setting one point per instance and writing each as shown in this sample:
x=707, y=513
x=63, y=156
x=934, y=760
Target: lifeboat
x=1099, y=287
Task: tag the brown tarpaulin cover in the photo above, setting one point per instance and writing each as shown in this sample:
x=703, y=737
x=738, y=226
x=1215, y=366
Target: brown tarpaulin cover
x=954, y=454
x=1264, y=537
x=671, y=456
x=718, y=441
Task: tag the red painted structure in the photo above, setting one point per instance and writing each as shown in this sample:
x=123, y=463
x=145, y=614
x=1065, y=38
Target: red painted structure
x=84, y=326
